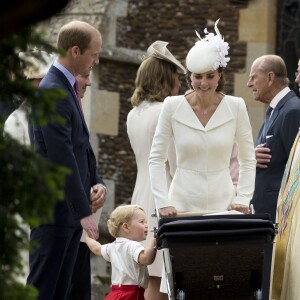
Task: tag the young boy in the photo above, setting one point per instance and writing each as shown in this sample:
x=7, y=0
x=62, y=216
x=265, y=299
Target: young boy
x=128, y=257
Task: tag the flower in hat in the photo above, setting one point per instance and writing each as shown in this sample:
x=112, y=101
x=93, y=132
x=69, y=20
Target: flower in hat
x=209, y=53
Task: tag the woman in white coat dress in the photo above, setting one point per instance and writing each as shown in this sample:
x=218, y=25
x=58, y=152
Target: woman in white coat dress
x=204, y=126
x=157, y=78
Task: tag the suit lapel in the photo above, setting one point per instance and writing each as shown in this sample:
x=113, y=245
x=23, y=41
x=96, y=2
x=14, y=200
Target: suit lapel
x=261, y=139
x=273, y=118
x=279, y=106
x=66, y=82
x=77, y=104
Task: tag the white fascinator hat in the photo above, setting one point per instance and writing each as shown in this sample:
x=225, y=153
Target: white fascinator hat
x=37, y=63
x=159, y=50
x=209, y=53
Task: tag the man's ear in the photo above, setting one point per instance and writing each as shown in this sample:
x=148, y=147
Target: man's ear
x=75, y=51
x=271, y=78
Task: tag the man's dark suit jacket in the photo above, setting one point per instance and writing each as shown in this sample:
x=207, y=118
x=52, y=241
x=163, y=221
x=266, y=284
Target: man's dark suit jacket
x=283, y=128
x=68, y=145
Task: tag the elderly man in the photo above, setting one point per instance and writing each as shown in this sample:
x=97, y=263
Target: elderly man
x=269, y=83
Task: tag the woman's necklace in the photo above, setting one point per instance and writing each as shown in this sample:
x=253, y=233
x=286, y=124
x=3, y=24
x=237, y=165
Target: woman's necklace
x=207, y=111
x=203, y=111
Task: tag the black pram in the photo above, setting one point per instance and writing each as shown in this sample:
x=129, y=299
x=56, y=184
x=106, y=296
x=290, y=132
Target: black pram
x=215, y=257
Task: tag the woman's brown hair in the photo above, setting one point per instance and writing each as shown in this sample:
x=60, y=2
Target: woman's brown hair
x=154, y=81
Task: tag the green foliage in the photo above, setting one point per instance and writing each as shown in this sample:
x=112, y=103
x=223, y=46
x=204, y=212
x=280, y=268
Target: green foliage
x=29, y=185
x=13, y=83
x=11, y=67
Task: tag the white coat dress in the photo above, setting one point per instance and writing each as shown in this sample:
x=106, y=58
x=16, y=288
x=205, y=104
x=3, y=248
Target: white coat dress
x=202, y=180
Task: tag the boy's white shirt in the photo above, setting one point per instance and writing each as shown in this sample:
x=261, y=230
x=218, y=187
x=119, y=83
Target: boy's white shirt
x=123, y=255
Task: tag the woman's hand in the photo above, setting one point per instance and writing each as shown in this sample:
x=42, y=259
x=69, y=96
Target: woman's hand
x=239, y=207
x=167, y=212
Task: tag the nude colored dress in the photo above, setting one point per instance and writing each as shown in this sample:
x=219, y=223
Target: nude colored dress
x=141, y=125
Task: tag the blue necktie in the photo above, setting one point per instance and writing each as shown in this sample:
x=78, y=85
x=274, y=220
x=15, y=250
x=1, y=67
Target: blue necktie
x=267, y=121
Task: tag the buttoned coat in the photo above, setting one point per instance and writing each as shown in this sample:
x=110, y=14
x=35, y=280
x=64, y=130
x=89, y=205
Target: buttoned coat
x=68, y=145
x=202, y=180
x=280, y=136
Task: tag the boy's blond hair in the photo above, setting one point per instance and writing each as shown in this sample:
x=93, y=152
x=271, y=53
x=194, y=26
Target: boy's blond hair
x=122, y=214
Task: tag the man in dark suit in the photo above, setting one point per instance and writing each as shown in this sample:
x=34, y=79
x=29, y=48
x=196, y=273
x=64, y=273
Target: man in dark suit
x=269, y=83
x=52, y=262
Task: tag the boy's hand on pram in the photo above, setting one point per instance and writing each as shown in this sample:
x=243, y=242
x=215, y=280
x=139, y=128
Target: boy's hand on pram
x=167, y=212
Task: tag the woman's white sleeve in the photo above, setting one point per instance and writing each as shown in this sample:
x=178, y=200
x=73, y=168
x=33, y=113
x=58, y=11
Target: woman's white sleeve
x=246, y=154
x=159, y=155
